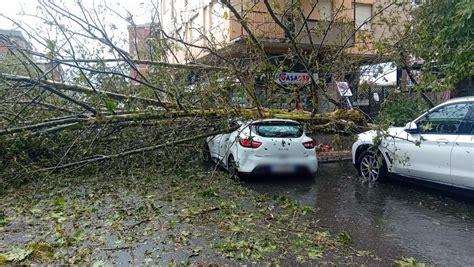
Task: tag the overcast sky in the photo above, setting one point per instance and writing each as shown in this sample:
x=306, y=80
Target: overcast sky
x=140, y=10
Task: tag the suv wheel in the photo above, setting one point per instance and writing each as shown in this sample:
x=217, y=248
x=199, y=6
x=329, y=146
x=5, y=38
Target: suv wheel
x=232, y=168
x=371, y=166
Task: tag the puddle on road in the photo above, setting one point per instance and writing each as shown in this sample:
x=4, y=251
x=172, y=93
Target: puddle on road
x=392, y=219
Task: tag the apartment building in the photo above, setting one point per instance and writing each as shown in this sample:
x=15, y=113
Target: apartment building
x=10, y=39
x=353, y=26
x=204, y=22
x=10, y=42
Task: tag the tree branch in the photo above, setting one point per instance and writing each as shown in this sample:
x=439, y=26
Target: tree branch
x=101, y=158
x=49, y=84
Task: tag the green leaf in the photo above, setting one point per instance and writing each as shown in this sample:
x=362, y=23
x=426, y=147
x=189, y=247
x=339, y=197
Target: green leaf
x=41, y=252
x=408, y=262
x=314, y=254
x=60, y=201
x=99, y=263
x=77, y=233
x=51, y=47
x=110, y=105
x=16, y=255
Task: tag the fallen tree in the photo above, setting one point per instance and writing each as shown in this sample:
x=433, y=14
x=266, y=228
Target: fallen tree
x=66, y=105
x=320, y=122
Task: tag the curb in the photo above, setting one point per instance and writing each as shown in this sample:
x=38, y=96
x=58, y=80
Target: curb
x=334, y=156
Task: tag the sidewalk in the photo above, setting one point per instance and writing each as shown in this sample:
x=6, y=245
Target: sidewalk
x=332, y=156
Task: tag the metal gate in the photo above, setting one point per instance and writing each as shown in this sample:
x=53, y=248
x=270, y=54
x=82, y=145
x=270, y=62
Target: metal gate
x=370, y=100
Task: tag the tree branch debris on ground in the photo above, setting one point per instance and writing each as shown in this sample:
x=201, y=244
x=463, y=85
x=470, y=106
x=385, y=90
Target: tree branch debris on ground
x=150, y=218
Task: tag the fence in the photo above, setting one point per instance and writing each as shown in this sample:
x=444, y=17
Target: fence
x=370, y=101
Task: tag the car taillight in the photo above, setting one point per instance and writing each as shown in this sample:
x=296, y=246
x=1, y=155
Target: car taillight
x=249, y=143
x=309, y=145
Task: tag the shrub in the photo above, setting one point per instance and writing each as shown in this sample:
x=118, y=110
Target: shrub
x=398, y=109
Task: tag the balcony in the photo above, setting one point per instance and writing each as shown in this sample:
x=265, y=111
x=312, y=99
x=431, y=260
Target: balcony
x=272, y=36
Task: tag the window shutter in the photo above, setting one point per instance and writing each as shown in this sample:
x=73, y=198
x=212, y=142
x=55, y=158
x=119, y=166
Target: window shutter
x=325, y=9
x=363, y=12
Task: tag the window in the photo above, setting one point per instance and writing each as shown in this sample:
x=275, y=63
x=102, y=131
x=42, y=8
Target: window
x=325, y=9
x=278, y=129
x=163, y=7
x=445, y=120
x=173, y=14
x=205, y=18
x=211, y=8
x=194, y=29
x=216, y=15
x=363, y=13
x=467, y=126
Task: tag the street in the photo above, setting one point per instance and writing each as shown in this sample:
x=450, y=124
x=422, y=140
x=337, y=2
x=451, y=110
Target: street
x=392, y=219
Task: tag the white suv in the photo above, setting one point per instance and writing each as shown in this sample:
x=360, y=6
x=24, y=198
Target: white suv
x=438, y=147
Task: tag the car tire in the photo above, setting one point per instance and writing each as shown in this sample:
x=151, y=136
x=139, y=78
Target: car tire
x=232, y=167
x=372, y=166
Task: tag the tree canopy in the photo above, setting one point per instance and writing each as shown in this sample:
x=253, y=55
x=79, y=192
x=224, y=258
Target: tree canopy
x=443, y=37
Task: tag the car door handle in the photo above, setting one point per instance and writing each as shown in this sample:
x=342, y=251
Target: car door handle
x=442, y=141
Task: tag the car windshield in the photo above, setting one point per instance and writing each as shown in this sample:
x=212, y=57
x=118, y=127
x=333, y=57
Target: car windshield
x=278, y=129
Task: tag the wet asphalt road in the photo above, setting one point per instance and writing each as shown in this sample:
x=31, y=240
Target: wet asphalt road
x=391, y=219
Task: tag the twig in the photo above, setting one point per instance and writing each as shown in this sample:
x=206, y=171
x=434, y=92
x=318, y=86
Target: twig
x=118, y=248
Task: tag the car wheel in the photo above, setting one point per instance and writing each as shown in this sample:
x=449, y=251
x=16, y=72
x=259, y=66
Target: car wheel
x=372, y=166
x=232, y=168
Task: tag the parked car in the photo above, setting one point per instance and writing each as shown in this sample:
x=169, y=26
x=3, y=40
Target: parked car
x=438, y=147
x=265, y=146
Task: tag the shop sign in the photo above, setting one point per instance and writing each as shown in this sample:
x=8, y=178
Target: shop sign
x=295, y=78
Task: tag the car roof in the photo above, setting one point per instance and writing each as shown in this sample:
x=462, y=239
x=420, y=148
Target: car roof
x=460, y=99
x=450, y=101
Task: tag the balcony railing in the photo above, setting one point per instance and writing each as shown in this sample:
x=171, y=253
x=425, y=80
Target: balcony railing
x=262, y=25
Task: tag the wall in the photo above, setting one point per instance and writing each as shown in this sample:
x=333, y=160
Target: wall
x=385, y=27
x=137, y=47
x=190, y=21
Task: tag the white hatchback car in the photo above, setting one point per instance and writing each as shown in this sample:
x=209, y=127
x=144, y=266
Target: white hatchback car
x=265, y=146
x=438, y=147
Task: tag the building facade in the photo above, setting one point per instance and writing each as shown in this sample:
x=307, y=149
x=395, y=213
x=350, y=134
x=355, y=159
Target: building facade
x=353, y=24
x=9, y=39
x=142, y=42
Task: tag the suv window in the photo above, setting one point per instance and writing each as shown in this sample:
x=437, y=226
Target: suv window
x=445, y=120
x=467, y=126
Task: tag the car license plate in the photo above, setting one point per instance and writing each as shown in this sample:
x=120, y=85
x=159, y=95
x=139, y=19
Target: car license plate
x=282, y=168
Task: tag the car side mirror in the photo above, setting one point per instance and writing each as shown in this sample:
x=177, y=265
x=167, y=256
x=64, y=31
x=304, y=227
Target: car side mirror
x=411, y=127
